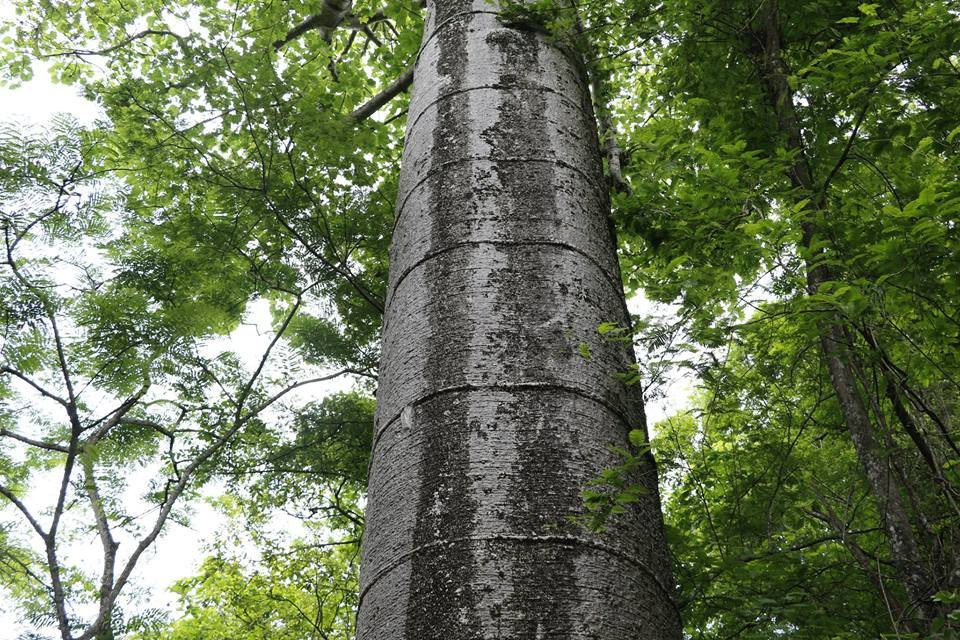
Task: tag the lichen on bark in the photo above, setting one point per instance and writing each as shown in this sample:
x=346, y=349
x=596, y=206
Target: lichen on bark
x=490, y=422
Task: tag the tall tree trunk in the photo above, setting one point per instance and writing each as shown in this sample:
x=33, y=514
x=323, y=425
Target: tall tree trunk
x=490, y=419
x=885, y=487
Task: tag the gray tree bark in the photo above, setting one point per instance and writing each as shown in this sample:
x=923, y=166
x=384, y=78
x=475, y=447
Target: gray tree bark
x=490, y=422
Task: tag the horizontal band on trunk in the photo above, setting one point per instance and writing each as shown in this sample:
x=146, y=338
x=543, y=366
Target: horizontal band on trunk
x=616, y=284
x=477, y=158
x=412, y=124
x=564, y=541
x=520, y=386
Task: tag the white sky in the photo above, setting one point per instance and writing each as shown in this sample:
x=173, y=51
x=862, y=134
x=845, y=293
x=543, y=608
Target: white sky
x=38, y=100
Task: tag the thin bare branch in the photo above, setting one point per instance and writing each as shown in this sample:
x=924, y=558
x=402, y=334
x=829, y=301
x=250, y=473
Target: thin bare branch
x=22, y=508
x=103, y=52
x=259, y=408
x=49, y=446
x=44, y=392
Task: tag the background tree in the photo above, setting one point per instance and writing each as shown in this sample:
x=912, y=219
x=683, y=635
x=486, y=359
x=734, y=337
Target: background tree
x=217, y=184
x=291, y=223
x=109, y=373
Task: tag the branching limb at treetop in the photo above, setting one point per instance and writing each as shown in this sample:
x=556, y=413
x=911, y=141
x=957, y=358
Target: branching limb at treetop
x=337, y=14
x=331, y=16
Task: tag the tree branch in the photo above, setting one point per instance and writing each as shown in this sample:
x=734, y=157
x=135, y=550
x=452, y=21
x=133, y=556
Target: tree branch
x=49, y=446
x=392, y=90
x=9, y=495
x=103, y=52
x=140, y=422
x=263, y=405
x=43, y=392
x=113, y=419
x=103, y=529
x=850, y=140
x=330, y=17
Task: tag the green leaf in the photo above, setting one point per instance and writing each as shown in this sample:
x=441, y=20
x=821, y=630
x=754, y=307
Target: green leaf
x=584, y=350
x=638, y=438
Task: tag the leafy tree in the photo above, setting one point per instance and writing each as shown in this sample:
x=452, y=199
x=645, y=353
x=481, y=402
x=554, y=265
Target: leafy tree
x=802, y=151
x=210, y=224
x=112, y=385
x=304, y=587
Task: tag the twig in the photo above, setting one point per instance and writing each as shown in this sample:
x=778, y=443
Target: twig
x=103, y=52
